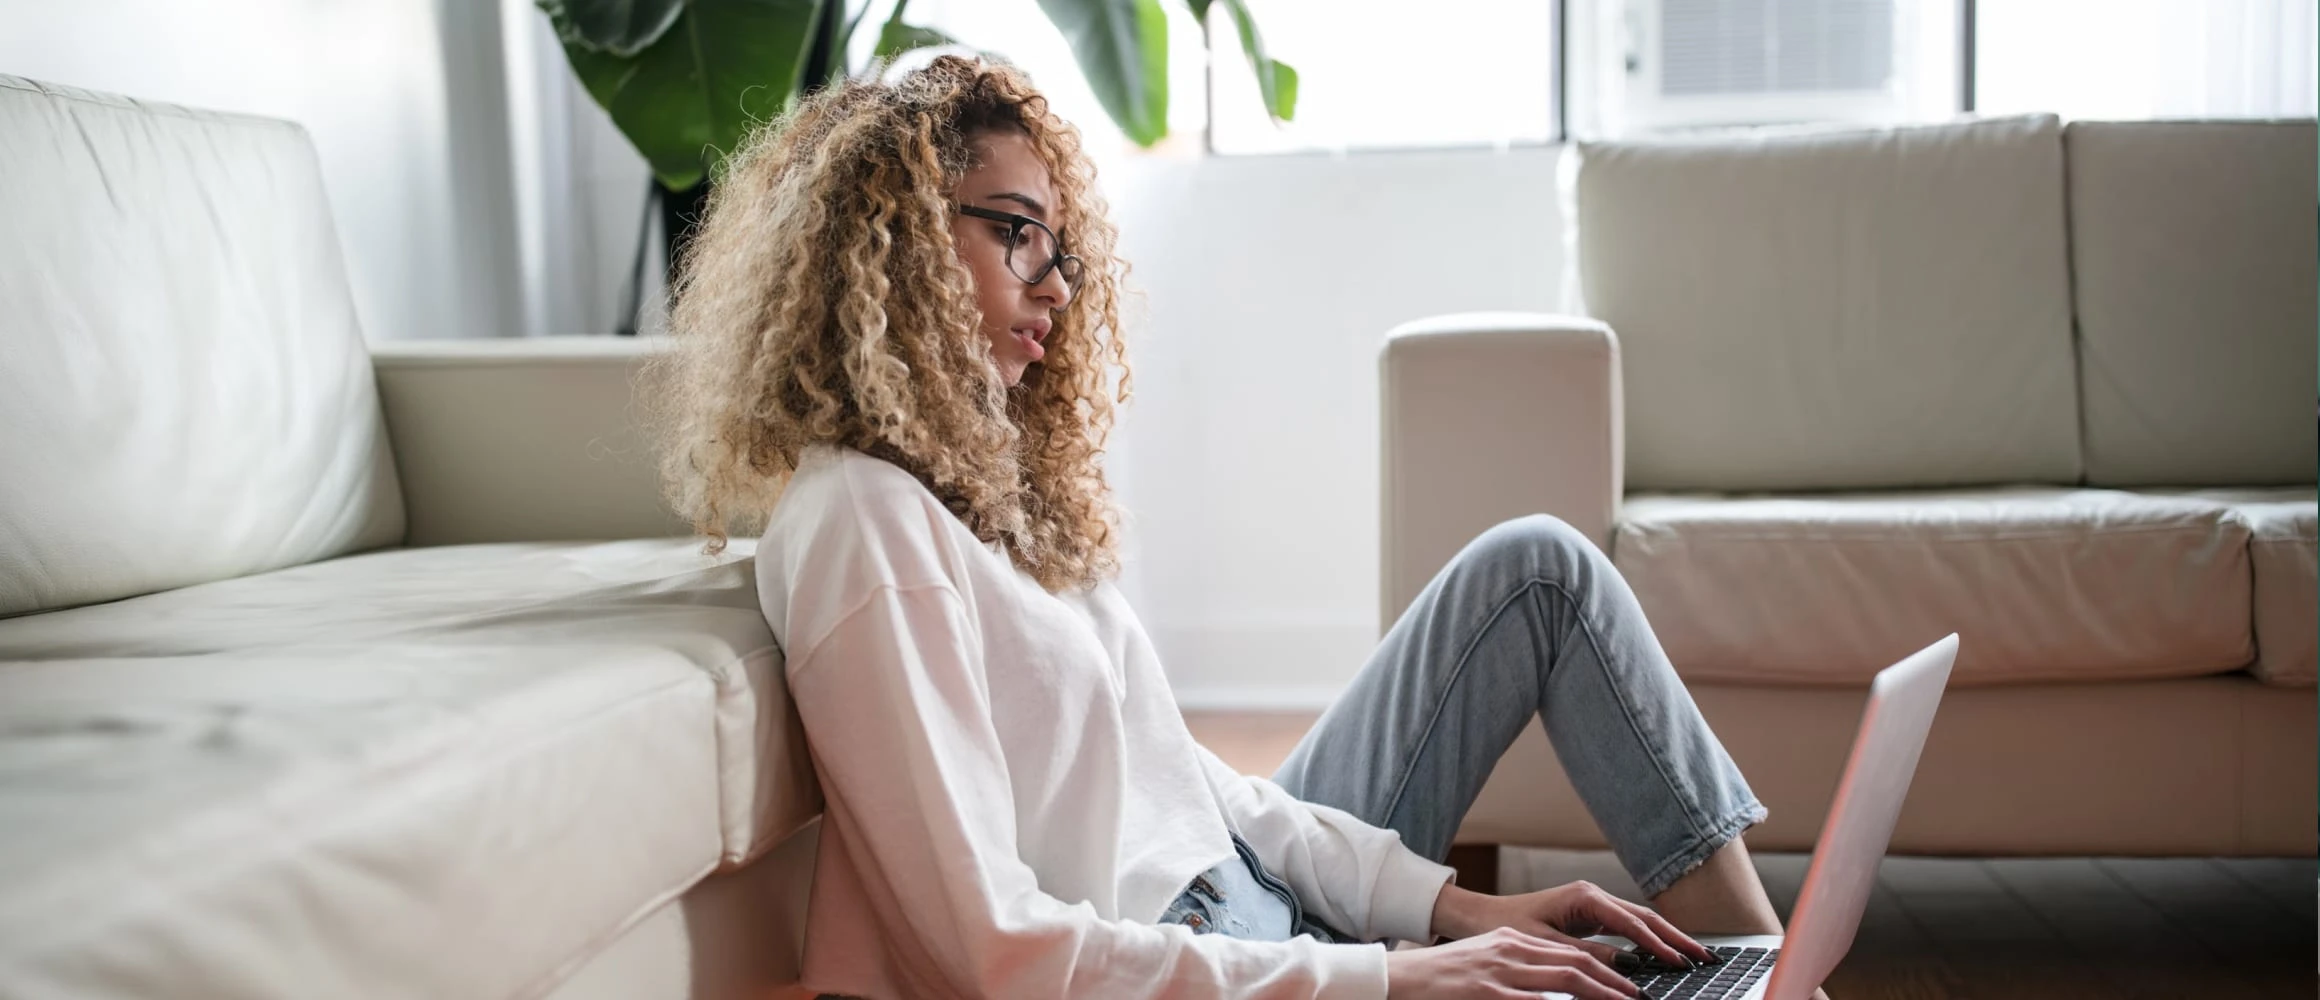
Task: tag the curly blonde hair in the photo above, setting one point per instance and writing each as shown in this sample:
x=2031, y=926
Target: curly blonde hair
x=822, y=301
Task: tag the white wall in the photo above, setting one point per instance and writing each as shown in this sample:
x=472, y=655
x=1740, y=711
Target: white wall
x=1248, y=458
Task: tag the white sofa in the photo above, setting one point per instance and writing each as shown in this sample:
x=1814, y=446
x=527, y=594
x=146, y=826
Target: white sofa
x=1842, y=392
x=329, y=673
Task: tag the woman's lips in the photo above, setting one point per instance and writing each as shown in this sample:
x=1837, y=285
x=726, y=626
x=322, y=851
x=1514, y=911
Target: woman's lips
x=1030, y=346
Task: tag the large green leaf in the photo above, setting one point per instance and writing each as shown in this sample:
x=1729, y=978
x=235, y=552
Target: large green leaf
x=897, y=38
x=687, y=99
x=1122, y=46
x=620, y=27
x=1276, y=81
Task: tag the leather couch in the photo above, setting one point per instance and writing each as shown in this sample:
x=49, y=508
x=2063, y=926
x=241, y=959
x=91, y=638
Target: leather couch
x=332, y=670
x=1837, y=393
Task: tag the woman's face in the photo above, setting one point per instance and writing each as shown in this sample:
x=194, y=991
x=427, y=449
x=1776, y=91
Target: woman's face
x=1017, y=315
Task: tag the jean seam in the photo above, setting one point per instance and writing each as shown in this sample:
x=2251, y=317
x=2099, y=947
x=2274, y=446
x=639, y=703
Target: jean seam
x=1527, y=585
x=1701, y=846
x=1442, y=702
x=1658, y=753
x=1701, y=831
x=1271, y=883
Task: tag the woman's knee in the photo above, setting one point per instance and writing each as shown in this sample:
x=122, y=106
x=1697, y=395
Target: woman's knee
x=1536, y=543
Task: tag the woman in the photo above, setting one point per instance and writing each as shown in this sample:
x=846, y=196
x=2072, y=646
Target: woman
x=897, y=339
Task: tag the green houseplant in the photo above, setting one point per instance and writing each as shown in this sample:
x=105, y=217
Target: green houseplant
x=684, y=80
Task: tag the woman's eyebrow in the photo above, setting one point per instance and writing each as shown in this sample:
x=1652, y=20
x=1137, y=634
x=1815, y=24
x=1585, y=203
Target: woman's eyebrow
x=1037, y=210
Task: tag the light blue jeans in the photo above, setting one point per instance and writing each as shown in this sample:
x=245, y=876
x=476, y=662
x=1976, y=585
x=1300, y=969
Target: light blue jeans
x=1530, y=619
x=1239, y=898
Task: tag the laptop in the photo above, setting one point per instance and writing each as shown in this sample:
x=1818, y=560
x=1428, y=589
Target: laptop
x=1844, y=864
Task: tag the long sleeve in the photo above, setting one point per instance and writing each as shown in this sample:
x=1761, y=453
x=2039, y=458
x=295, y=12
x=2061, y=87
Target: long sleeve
x=897, y=707
x=1354, y=876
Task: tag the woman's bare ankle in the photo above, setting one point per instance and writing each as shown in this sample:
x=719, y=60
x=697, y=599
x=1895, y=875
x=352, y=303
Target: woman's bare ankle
x=1722, y=896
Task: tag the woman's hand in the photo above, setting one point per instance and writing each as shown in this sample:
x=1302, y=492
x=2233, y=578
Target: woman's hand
x=1564, y=915
x=1501, y=964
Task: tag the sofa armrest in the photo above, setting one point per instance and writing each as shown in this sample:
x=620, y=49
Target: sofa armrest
x=1487, y=417
x=521, y=439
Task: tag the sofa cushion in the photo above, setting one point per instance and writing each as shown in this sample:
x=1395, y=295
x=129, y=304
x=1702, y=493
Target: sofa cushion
x=1836, y=309
x=2194, y=267
x=2039, y=584
x=2284, y=550
x=280, y=785
x=2186, y=767
x=186, y=394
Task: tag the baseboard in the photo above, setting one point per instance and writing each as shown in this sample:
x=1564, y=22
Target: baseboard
x=1245, y=698
x=1261, y=666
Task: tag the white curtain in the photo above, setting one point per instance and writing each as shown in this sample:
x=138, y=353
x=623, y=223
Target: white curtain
x=2148, y=58
x=579, y=191
x=2249, y=57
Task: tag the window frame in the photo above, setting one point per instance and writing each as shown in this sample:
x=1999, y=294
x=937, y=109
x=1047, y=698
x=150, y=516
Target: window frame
x=1968, y=28
x=1560, y=101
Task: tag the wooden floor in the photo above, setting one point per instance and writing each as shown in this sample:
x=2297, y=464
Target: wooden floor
x=2001, y=929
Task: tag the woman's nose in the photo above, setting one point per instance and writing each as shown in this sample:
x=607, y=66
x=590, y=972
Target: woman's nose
x=1052, y=291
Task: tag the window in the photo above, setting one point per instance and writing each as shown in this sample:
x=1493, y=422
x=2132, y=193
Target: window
x=1660, y=65
x=1378, y=76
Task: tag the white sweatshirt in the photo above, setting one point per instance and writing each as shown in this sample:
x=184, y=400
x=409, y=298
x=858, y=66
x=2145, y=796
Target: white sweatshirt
x=1013, y=798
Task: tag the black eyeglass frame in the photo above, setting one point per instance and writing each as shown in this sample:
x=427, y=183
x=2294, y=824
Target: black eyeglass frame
x=1015, y=223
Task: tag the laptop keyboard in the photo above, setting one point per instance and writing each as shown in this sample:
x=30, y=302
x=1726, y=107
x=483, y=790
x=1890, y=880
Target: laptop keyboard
x=1739, y=970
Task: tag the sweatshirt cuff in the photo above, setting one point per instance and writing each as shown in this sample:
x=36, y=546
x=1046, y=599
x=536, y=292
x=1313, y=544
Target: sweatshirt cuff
x=1351, y=972
x=1402, y=906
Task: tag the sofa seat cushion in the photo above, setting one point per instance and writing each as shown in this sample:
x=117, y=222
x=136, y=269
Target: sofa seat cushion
x=289, y=784
x=2041, y=584
x=2284, y=550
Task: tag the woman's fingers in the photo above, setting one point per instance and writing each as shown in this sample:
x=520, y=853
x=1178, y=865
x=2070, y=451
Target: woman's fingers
x=1613, y=913
x=1667, y=931
x=1579, y=984
x=1568, y=969
x=1608, y=954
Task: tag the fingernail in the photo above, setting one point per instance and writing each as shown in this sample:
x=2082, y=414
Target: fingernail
x=1626, y=961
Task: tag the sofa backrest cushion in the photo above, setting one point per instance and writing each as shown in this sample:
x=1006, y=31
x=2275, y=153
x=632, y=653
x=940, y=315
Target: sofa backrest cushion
x=1802, y=309
x=184, y=392
x=2194, y=262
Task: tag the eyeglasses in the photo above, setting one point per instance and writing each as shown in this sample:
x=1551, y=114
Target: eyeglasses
x=1032, y=249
